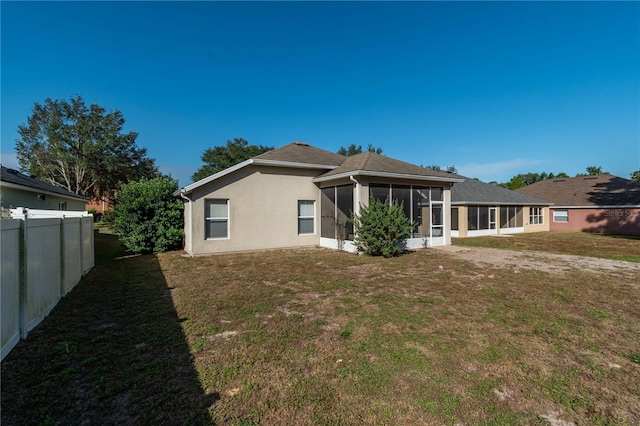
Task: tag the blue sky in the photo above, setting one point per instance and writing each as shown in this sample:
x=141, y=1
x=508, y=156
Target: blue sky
x=494, y=88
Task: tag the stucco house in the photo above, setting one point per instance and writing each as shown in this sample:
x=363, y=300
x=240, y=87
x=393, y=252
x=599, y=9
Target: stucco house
x=479, y=208
x=604, y=203
x=20, y=190
x=299, y=195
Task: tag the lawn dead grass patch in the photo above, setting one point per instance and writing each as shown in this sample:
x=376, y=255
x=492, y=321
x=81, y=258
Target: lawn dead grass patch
x=322, y=337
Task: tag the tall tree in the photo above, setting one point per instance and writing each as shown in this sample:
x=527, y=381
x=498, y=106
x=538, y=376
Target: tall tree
x=354, y=149
x=595, y=171
x=222, y=157
x=80, y=148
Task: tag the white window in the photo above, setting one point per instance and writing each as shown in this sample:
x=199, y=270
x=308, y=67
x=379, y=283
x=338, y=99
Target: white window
x=561, y=215
x=535, y=216
x=216, y=218
x=306, y=216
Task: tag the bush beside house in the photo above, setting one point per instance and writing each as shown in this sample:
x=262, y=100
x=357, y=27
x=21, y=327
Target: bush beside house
x=147, y=217
x=381, y=228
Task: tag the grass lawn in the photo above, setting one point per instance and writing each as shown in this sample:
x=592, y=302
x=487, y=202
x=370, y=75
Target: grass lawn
x=322, y=337
x=578, y=243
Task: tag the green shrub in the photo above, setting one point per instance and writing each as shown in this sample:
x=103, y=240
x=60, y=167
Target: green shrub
x=108, y=216
x=381, y=228
x=147, y=217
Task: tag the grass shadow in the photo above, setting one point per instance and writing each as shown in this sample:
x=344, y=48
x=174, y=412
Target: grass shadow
x=112, y=352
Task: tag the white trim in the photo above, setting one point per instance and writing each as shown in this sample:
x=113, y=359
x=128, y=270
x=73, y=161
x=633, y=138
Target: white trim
x=564, y=216
x=313, y=217
x=332, y=243
x=219, y=219
x=294, y=164
x=387, y=175
x=499, y=204
x=481, y=232
x=512, y=230
x=628, y=206
x=213, y=177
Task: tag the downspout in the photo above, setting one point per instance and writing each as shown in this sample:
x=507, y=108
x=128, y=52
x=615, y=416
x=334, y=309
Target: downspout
x=190, y=222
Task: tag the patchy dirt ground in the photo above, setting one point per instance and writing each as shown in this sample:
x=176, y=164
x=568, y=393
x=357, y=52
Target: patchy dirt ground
x=545, y=262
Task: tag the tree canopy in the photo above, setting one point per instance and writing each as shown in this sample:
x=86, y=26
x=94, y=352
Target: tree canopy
x=635, y=176
x=82, y=149
x=593, y=171
x=449, y=169
x=354, y=149
x=222, y=157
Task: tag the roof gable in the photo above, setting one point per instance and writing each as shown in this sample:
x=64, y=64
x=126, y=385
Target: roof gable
x=371, y=163
x=601, y=190
x=34, y=185
x=473, y=191
x=300, y=152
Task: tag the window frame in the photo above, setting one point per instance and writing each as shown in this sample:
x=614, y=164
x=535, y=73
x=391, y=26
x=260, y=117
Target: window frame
x=219, y=219
x=535, y=216
x=312, y=217
x=565, y=216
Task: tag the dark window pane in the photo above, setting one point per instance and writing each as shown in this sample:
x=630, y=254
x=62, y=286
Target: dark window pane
x=518, y=221
x=473, y=218
x=402, y=195
x=216, y=229
x=421, y=211
x=504, y=216
x=305, y=226
x=436, y=214
x=328, y=212
x=436, y=194
x=454, y=218
x=483, y=213
x=379, y=192
x=345, y=208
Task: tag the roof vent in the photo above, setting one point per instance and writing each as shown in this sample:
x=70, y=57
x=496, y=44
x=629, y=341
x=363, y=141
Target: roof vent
x=301, y=143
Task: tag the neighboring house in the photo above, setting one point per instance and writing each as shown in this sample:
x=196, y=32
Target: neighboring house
x=19, y=190
x=605, y=203
x=300, y=195
x=100, y=205
x=480, y=208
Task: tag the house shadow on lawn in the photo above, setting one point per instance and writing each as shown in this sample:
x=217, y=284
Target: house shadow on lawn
x=111, y=352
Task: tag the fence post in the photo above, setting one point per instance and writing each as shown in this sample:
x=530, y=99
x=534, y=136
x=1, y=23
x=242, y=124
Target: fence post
x=62, y=262
x=22, y=280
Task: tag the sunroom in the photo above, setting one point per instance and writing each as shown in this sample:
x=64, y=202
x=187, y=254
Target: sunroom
x=425, y=204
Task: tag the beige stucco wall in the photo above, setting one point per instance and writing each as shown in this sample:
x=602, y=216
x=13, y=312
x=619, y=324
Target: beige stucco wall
x=15, y=197
x=463, y=221
x=263, y=210
x=535, y=228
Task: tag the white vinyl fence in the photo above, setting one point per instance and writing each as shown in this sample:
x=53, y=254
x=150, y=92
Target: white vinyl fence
x=44, y=255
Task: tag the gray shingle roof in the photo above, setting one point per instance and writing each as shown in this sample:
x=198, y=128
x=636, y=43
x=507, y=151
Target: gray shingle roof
x=602, y=190
x=473, y=191
x=372, y=162
x=299, y=152
x=17, y=178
